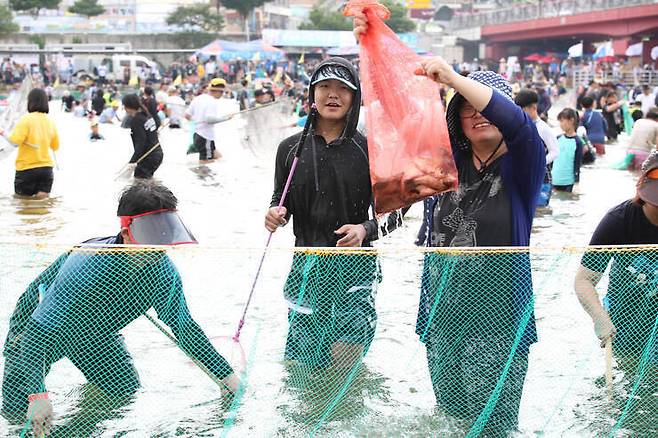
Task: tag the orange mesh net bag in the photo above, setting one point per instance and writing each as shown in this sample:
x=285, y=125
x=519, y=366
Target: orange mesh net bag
x=408, y=143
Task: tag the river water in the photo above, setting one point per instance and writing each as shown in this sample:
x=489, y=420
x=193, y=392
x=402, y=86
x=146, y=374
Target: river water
x=223, y=204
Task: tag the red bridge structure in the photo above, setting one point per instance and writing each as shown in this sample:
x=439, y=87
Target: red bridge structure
x=554, y=26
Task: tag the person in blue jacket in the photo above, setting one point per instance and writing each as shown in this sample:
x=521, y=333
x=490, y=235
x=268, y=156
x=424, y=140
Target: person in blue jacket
x=595, y=125
x=476, y=310
x=473, y=307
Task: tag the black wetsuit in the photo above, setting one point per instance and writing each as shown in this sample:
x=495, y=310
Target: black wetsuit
x=87, y=298
x=144, y=134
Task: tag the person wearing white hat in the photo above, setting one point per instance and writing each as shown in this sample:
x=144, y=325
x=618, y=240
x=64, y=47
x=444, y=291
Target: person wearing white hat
x=203, y=112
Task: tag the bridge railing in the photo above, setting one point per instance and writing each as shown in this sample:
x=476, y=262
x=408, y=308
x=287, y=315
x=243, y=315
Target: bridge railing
x=541, y=9
x=633, y=78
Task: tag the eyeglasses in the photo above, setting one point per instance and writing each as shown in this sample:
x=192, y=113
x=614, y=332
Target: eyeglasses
x=467, y=112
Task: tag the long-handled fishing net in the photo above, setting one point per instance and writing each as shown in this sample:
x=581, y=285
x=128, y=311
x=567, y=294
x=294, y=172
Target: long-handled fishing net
x=14, y=109
x=230, y=346
x=258, y=126
x=266, y=126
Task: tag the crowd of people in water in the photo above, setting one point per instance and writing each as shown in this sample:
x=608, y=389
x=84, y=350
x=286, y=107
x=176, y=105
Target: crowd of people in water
x=509, y=161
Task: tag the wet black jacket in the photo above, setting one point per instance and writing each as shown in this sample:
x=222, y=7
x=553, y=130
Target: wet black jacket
x=144, y=135
x=331, y=186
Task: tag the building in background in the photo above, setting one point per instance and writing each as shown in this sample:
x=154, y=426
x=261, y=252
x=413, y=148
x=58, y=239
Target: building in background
x=148, y=16
x=299, y=11
x=275, y=14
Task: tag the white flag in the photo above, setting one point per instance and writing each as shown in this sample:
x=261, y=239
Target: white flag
x=634, y=50
x=654, y=53
x=576, y=51
x=603, y=50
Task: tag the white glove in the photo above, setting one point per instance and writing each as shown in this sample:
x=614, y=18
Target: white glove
x=603, y=327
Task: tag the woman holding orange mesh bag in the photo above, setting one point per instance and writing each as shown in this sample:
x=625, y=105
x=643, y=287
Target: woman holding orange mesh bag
x=475, y=315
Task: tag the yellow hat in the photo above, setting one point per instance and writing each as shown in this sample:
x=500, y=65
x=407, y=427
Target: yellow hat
x=115, y=104
x=217, y=83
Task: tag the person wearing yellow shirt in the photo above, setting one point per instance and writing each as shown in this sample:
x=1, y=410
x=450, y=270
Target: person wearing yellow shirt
x=34, y=135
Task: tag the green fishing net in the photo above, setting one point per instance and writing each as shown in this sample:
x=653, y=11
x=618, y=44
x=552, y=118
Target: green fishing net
x=387, y=342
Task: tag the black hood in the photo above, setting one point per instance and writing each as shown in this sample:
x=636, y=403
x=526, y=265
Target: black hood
x=353, y=114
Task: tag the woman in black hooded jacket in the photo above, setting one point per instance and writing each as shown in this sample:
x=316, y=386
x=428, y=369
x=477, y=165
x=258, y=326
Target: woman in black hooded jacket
x=330, y=296
x=144, y=132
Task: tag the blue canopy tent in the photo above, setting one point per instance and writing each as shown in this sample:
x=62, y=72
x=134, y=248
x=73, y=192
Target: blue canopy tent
x=231, y=51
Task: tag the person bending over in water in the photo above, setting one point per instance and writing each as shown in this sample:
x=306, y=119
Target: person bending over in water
x=76, y=308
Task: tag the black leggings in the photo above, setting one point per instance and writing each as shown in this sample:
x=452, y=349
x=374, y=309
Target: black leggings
x=147, y=167
x=567, y=189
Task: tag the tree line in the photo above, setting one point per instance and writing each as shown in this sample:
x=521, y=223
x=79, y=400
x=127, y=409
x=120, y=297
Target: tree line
x=203, y=16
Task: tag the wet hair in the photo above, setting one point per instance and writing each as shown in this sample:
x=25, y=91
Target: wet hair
x=245, y=82
x=132, y=101
x=526, y=98
x=587, y=102
x=569, y=114
x=37, y=101
x=148, y=91
x=652, y=113
x=144, y=196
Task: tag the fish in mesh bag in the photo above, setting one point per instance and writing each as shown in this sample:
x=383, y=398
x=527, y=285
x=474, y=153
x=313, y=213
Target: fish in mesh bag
x=408, y=143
